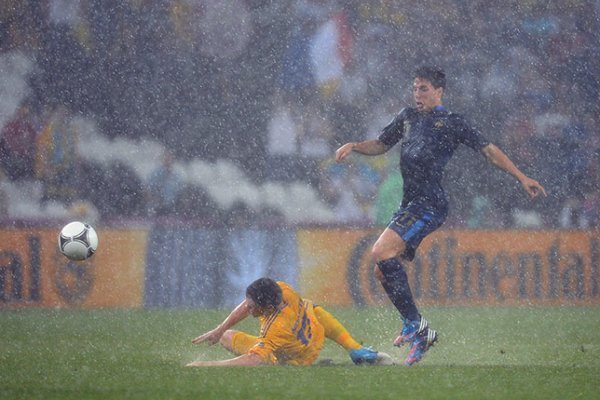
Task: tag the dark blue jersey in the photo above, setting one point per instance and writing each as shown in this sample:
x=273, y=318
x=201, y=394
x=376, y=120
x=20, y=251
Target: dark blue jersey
x=428, y=141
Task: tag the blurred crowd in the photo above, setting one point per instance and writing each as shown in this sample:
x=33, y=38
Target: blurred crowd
x=277, y=86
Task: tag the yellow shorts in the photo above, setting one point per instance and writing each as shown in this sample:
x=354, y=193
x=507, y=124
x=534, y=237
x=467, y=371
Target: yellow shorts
x=241, y=342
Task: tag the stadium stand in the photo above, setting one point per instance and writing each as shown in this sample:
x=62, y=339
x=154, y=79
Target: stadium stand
x=134, y=83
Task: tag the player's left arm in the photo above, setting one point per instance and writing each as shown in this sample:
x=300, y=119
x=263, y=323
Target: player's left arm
x=213, y=336
x=501, y=160
x=245, y=360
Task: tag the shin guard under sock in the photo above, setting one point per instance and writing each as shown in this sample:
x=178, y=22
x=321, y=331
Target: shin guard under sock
x=397, y=288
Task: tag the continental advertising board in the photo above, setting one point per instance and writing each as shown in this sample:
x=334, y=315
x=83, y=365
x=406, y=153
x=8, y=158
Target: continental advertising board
x=331, y=266
x=458, y=267
x=34, y=274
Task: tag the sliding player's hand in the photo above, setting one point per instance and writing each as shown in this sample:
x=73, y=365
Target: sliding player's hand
x=211, y=337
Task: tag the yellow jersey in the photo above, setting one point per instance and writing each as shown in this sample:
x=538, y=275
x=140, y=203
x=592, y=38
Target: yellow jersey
x=292, y=335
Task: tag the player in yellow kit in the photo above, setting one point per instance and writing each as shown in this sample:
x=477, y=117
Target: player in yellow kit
x=292, y=330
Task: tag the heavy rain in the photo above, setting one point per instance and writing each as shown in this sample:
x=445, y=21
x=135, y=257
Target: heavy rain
x=198, y=138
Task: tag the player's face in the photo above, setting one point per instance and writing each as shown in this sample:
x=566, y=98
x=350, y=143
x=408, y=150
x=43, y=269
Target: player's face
x=258, y=311
x=426, y=96
x=255, y=310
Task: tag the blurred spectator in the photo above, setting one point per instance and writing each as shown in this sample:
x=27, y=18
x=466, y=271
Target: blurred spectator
x=517, y=134
x=388, y=193
x=271, y=218
x=194, y=203
x=481, y=214
x=315, y=139
x=296, y=78
x=283, y=131
x=381, y=12
x=149, y=69
x=349, y=189
x=63, y=62
x=342, y=202
x=556, y=139
x=124, y=191
x=64, y=14
x=572, y=215
x=526, y=219
x=83, y=210
x=573, y=163
x=375, y=54
x=591, y=210
x=57, y=157
x=591, y=189
x=348, y=106
x=239, y=215
x=17, y=144
x=3, y=196
x=20, y=25
x=498, y=89
x=163, y=187
x=93, y=191
x=329, y=52
x=378, y=116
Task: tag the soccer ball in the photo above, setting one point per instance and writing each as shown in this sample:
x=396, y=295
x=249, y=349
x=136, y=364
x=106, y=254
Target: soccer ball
x=77, y=241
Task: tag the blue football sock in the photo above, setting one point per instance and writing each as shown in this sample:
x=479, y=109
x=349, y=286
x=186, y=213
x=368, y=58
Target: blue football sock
x=397, y=288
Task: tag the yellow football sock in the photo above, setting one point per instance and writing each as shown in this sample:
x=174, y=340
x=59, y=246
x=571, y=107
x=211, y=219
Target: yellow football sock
x=334, y=329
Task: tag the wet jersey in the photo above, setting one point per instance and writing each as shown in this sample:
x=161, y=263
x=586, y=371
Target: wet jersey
x=428, y=141
x=292, y=335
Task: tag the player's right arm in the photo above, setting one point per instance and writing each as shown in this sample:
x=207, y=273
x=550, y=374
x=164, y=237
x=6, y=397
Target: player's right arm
x=213, y=336
x=389, y=136
x=368, y=147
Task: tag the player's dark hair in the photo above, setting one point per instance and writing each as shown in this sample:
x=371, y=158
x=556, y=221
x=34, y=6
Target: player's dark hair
x=436, y=76
x=264, y=292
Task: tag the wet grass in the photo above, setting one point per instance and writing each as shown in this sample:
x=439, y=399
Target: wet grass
x=493, y=353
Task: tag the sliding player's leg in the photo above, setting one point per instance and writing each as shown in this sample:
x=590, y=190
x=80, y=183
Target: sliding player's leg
x=238, y=342
x=337, y=332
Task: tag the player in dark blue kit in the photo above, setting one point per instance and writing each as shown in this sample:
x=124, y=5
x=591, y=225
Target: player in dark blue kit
x=428, y=135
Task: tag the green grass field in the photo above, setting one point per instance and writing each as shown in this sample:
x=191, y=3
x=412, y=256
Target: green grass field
x=483, y=353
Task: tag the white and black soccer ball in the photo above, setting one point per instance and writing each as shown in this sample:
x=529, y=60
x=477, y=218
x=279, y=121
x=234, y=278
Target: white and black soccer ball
x=77, y=241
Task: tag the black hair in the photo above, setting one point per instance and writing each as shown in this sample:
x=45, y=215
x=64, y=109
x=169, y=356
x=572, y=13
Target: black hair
x=264, y=292
x=435, y=75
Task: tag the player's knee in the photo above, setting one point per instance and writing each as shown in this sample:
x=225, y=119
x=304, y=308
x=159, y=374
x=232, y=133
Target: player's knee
x=378, y=274
x=376, y=252
x=383, y=251
x=227, y=339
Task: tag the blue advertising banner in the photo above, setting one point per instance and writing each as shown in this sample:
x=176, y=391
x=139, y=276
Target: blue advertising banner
x=182, y=267
x=253, y=253
x=198, y=267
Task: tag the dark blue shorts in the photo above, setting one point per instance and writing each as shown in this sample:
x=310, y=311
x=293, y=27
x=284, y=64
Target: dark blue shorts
x=413, y=223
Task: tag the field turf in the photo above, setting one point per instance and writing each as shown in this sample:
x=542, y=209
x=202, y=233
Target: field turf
x=483, y=353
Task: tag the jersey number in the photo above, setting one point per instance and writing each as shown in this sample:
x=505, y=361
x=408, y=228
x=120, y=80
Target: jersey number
x=304, y=333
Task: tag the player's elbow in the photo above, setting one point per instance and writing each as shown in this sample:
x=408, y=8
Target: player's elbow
x=489, y=150
x=492, y=153
x=382, y=148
